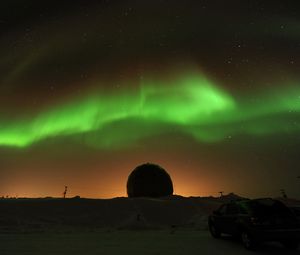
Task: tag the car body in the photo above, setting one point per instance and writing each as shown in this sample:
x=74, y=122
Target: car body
x=296, y=210
x=255, y=221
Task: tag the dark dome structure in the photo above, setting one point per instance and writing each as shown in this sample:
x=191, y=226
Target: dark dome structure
x=149, y=180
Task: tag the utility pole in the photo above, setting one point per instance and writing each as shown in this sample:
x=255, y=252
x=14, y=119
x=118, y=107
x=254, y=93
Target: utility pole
x=284, y=195
x=65, y=192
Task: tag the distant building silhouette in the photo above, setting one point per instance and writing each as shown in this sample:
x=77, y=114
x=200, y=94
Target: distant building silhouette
x=149, y=180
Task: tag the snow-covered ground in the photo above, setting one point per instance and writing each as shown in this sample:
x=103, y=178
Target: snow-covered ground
x=121, y=242
x=173, y=225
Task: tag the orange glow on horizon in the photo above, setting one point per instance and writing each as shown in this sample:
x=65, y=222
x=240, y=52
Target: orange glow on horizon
x=102, y=188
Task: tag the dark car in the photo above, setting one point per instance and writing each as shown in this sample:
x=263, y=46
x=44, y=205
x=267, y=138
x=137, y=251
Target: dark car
x=255, y=221
x=296, y=210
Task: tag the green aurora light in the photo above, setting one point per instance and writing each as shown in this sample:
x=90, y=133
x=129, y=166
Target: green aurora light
x=190, y=104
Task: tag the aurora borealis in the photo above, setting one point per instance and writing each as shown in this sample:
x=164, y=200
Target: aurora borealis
x=89, y=91
x=191, y=103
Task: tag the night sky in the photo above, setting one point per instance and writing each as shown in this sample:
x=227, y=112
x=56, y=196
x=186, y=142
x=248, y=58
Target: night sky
x=209, y=90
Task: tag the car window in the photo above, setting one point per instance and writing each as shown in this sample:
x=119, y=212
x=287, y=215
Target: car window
x=244, y=208
x=268, y=207
x=232, y=209
x=222, y=210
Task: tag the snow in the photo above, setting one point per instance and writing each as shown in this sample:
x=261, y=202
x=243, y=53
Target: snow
x=172, y=225
x=116, y=242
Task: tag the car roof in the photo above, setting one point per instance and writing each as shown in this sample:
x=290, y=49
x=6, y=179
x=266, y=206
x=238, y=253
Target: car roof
x=239, y=201
x=255, y=199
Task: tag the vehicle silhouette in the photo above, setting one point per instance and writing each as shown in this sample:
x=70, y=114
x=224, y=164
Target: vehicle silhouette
x=256, y=221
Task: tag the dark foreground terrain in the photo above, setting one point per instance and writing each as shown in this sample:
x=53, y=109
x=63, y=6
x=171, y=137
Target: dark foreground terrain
x=173, y=225
x=119, y=213
x=108, y=242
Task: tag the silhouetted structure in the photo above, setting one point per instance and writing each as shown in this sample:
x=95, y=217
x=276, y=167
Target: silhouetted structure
x=283, y=193
x=65, y=192
x=149, y=180
x=221, y=193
